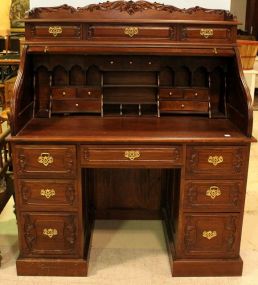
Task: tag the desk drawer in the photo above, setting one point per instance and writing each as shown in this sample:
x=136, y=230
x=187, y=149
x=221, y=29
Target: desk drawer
x=213, y=195
x=220, y=162
x=76, y=106
x=45, y=160
x=207, y=34
x=119, y=32
x=183, y=105
x=211, y=235
x=131, y=156
x=170, y=93
x=47, y=194
x=63, y=92
x=196, y=94
x=54, y=234
x=53, y=31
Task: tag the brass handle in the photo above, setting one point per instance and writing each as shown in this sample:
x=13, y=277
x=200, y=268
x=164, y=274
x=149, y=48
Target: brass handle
x=206, y=33
x=196, y=94
x=213, y=192
x=48, y=193
x=209, y=234
x=215, y=160
x=132, y=154
x=45, y=158
x=55, y=30
x=89, y=92
x=64, y=93
x=50, y=232
x=170, y=93
x=131, y=31
x=182, y=106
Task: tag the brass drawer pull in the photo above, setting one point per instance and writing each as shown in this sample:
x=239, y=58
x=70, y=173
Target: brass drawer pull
x=55, y=30
x=215, y=160
x=48, y=193
x=209, y=234
x=50, y=232
x=206, y=33
x=131, y=31
x=213, y=192
x=45, y=158
x=132, y=154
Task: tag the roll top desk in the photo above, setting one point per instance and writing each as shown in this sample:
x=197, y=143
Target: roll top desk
x=130, y=110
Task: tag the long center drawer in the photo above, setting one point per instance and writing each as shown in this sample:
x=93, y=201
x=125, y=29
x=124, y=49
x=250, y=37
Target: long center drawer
x=131, y=156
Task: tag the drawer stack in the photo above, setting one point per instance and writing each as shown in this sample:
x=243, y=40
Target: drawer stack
x=213, y=201
x=47, y=201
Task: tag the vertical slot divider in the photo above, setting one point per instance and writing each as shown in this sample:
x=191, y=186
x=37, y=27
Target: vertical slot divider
x=225, y=95
x=50, y=97
x=158, y=91
x=209, y=95
x=102, y=95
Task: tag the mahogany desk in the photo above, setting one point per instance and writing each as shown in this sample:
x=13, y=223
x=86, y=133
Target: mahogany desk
x=130, y=110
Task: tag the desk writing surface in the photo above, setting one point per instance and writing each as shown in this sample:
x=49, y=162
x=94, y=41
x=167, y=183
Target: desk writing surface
x=152, y=129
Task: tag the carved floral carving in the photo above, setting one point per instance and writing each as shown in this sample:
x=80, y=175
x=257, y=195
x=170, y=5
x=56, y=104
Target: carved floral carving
x=129, y=7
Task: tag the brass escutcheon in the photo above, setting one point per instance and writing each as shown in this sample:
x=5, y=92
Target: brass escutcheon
x=206, y=33
x=48, y=193
x=50, y=232
x=209, y=234
x=215, y=160
x=131, y=31
x=213, y=192
x=55, y=30
x=45, y=158
x=132, y=154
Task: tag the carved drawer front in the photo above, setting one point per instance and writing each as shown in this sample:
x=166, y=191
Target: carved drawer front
x=47, y=194
x=211, y=235
x=78, y=105
x=54, y=31
x=221, y=162
x=89, y=93
x=182, y=106
x=196, y=94
x=45, y=161
x=170, y=93
x=63, y=92
x=207, y=34
x=213, y=195
x=102, y=32
x=130, y=156
x=54, y=234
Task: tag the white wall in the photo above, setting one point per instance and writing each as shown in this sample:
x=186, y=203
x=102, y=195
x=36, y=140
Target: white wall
x=238, y=8
x=214, y=4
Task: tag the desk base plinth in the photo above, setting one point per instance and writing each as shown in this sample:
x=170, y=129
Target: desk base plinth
x=206, y=267
x=51, y=267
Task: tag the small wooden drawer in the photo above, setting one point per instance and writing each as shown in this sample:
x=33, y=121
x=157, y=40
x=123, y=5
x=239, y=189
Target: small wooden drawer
x=49, y=235
x=196, y=94
x=211, y=235
x=48, y=194
x=45, y=160
x=76, y=106
x=54, y=31
x=218, y=162
x=170, y=93
x=89, y=93
x=131, y=32
x=184, y=106
x=213, y=195
x=207, y=34
x=130, y=156
x=64, y=92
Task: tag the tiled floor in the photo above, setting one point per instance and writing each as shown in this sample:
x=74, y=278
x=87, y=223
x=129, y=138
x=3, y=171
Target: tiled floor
x=134, y=252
